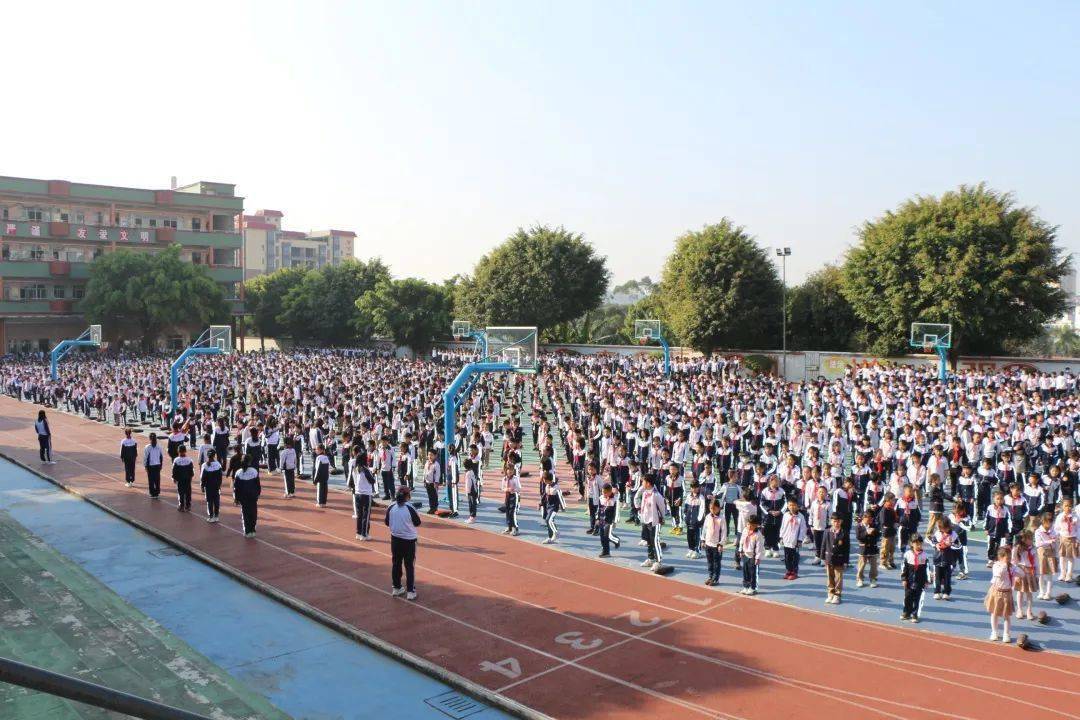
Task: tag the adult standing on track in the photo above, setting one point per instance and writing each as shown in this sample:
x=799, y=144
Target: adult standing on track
x=153, y=457
x=129, y=453
x=402, y=519
x=44, y=437
x=247, y=487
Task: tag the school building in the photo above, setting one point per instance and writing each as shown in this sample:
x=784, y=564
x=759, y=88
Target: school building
x=268, y=247
x=51, y=230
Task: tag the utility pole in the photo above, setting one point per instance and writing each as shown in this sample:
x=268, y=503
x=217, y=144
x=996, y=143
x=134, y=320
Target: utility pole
x=783, y=253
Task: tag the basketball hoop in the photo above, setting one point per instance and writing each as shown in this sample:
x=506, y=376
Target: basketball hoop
x=643, y=341
x=928, y=347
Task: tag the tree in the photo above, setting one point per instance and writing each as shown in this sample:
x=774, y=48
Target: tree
x=152, y=291
x=540, y=276
x=971, y=257
x=720, y=289
x=322, y=307
x=411, y=311
x=632, y=291
x=264, y=297
x=600, y=326
x=819, y=316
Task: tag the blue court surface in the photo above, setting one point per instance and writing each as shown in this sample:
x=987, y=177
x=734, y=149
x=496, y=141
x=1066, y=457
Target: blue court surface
x=963, y=615
x=303, y=668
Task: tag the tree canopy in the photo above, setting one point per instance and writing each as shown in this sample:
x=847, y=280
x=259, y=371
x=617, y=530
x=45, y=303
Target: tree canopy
x=153, y=292
x=971, y=257
x=819, y=316
x=411, y=311
x=322, y=307
x=541, y=276
x=721, y=289
x=264, y=297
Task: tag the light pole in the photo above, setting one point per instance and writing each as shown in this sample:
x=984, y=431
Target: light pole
x=783, y=254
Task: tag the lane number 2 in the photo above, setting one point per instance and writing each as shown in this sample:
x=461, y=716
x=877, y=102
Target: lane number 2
x=635, y=619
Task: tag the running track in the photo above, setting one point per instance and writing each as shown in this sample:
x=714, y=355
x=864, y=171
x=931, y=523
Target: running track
x=568, y=636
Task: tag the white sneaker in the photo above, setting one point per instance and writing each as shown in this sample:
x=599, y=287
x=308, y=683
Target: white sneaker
x=556, y=536
x=646, y=563
x=1006, y=638
x=129, y=484
x=697, y=555
x=873, y=584
x=547, y=541
x=859, y=583
x=828, y=600
x=689, y=554
x=643, y=543
x=506, y=531
x=945, y=596
x=752, y=592
x=994, y=637
x=209, y=520
x=655, y=566
x=410, y=595
x=937, y=596
x=398, y=592
x=470, y=520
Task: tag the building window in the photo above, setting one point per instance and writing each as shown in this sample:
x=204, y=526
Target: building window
x=4, y=212
x=80, y=217
x=196, y=259
x=196, y=224
x=169, y=222
x=63, y=216
x=44, y=345
x=37, y=252
x=99, y=218
x=33, y=213
x=59, y=292
x=32, y=292
x=78, y=292
x=136, y=221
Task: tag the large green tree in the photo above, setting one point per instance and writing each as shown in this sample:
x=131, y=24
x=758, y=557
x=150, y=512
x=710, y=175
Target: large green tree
x=819, y=316
x=322, y=307
x=541, y=276
x=411, y=311
x=971, y=257
x=264, y=298
x=152, y=292
x=720, y=289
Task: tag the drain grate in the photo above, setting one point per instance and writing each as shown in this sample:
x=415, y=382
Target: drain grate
x=455, y=705
x=166, y=552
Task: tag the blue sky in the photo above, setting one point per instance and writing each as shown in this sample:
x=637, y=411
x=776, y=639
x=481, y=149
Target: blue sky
x=435, y=129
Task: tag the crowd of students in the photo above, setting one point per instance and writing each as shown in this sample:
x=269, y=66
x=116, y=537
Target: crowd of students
x=881, y=463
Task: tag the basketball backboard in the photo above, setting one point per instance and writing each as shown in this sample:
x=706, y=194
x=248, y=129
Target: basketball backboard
x=460, y=329
x=647, y=330
x=515, y=345
x=221, y=338
x=930, y=336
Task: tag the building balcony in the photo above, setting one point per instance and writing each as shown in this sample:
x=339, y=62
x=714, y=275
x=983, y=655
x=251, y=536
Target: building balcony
x=43, y=269
x=40, y=230
x=226, y=274
x=59, y=268
x=61, y=306
x=17, y=307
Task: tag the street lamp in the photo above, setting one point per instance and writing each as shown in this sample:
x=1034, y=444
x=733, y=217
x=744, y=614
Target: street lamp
x=783, y=253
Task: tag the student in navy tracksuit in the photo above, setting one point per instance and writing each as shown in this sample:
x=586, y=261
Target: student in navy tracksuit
x=210, y=481
x=606, y=514
x=129, y=454
x=914, y=575
x=320, y=476
x=183, y=473
x=247, y=488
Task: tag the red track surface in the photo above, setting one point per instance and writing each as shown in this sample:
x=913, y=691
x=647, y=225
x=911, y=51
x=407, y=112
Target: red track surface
x=587, y=639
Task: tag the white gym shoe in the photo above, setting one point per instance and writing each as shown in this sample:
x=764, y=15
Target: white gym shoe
x=1006, y=638
x=646, y=563
x=470, y=520
x=359, y=536
x=655, y=566
x=643, y=543
x=859, y=583
x=411, y=595
x=398, y=592
x=937, y=596
x=994, y=637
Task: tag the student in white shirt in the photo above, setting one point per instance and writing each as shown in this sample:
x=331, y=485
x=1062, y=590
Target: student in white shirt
x=714, y=537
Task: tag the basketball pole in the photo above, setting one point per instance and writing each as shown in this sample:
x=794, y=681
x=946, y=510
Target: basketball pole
x=196, y=349
x=457, y=391
x=64, y=347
